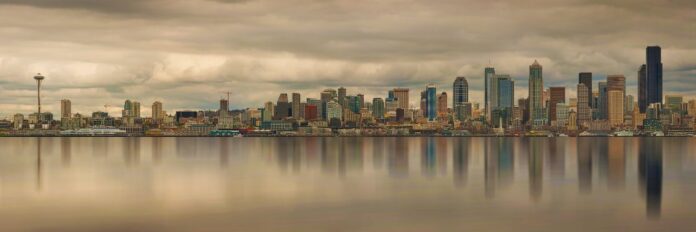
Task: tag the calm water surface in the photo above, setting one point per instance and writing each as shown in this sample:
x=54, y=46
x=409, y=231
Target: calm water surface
x=347, y=184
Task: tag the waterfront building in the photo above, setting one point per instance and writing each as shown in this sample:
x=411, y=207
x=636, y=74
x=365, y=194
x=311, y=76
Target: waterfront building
x=342, y=93
x=650, y=78
x=18, y=121
x=506, y=92
x=536, y=88
x=489, y=74
x=586, y=79
x=561, y=110
x=430, y=102
x=557, y=95
x=628, y=104
x=584, y=113
x=334, y=110
x=65, y=109
x=268, y=111
x=602, y=101
x=442, y=105
x=296, y=108
x=401, y=95
x=674, y=102
x=378, y=109
x=157, y=111
x=615, y=107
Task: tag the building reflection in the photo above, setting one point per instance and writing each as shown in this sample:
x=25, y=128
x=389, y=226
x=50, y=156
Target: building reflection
x=535, y=166
x=156, y=150
x=429, y=158
x=616, y=163
x=584, y=156
x=460, y=160
x=39, y=168
x=378, y=148
x=224, y=152
x=66, y=150
x=131, y=151
x=650, y=174
x=398, y=159
x=556, y=157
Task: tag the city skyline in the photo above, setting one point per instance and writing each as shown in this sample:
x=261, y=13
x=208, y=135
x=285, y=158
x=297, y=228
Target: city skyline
x=148, y=52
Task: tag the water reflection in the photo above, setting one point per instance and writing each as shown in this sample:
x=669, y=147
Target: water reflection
x=413, y=173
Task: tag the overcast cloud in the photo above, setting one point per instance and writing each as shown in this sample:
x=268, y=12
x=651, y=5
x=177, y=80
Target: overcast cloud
x=187, y=53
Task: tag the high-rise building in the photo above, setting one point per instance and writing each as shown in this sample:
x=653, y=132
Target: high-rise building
x=557, y=95
x=536, y=88
x=401, y=94
x=157, y=111
x=673, y=102
x=283, y=97
x=378, y=108
x=296, y=100
x=430, y=102
x=442, y=105
x=65, y=109
x=342, y=96
x=586, y=79
x=136, y=109
x=334, y=110
x=506, y=92
x=691, y=108
x=127, y=106
x=602, y=101
x=328, y=94
x=584, y=114
x=488, y=74
x=642, y=89
x=460, y=95
x=319, y=105
x=617, y=82
x=653, y=75
x=615, y=107
x=224, y=108
x=628, y=104
x=310, y=112
x=268, y=111
x=283, y=108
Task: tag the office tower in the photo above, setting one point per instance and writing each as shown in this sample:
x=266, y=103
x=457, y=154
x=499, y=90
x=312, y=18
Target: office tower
x=691, y=108
x=653, y=75
x=378, y=108
x=283, y=97
x=328, y=94
x=39, y=78
x=135, y=111
x=584, y=114
x=586, y=79
x=157, y=112
x=602, y=101
x=18, y=121
x=431, y=102
x=224, y=108
x=268, y=111
x=442, y=104
x=391, y=104
x=334, y=110
x=342, y=96
x=460, y=95
x=556, y=95
x=617, y=82
x=673, y=102
x=361, y=101
x=536, y=88
x=401, y=95
x=524, y=108
x=310, y=112
x=506, y=92
x=296, y=100
x=642, y=89
x=615, y=107
x=488, y=74
x=127, y=107
x=65, y=109
x=320, y=109
x=628, y=104
x=562, y=110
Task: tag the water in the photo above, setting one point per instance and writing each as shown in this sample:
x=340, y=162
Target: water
x=347, y=184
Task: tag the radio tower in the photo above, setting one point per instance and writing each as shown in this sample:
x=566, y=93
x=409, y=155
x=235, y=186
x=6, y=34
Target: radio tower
x=38, y=79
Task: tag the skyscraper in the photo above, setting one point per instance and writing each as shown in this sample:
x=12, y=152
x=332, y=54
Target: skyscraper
x=506, y=92
x=642, y=89
x=296, y=100
x=616, y=82
x=586, y=79
x=602, y=101
x=615, y=107
x=65, y=109
x=442, y=105
x=536, y=88
x=283, y=97
x=342, y=96
x=136, y=109
x=430, y=102
x=460, y=95
x=653, y=71
x=127, y=107
x=157, y=112
x=268, y=111
x=401, y=95
x=557, y=95
x=488, y=74
x=224, y=108
x=628, y=104
x=584, y=114
x=378, y=108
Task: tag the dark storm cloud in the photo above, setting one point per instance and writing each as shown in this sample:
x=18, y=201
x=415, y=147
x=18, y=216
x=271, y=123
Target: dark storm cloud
x=188, y=52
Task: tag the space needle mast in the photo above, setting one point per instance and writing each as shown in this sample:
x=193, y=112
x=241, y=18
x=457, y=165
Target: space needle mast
x=38, y=79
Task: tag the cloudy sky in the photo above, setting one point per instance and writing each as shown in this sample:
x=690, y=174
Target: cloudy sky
x=187, y=53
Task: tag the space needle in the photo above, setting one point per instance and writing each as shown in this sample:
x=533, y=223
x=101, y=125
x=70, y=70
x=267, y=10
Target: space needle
x=38, y=79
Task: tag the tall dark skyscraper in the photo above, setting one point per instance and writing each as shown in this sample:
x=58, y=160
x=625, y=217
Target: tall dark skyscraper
x=460, y=91
x=642, y=90
x=586, y=79
x=652, y=82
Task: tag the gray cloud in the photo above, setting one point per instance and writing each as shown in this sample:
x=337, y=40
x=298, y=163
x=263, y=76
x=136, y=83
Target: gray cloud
x=187, y=53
